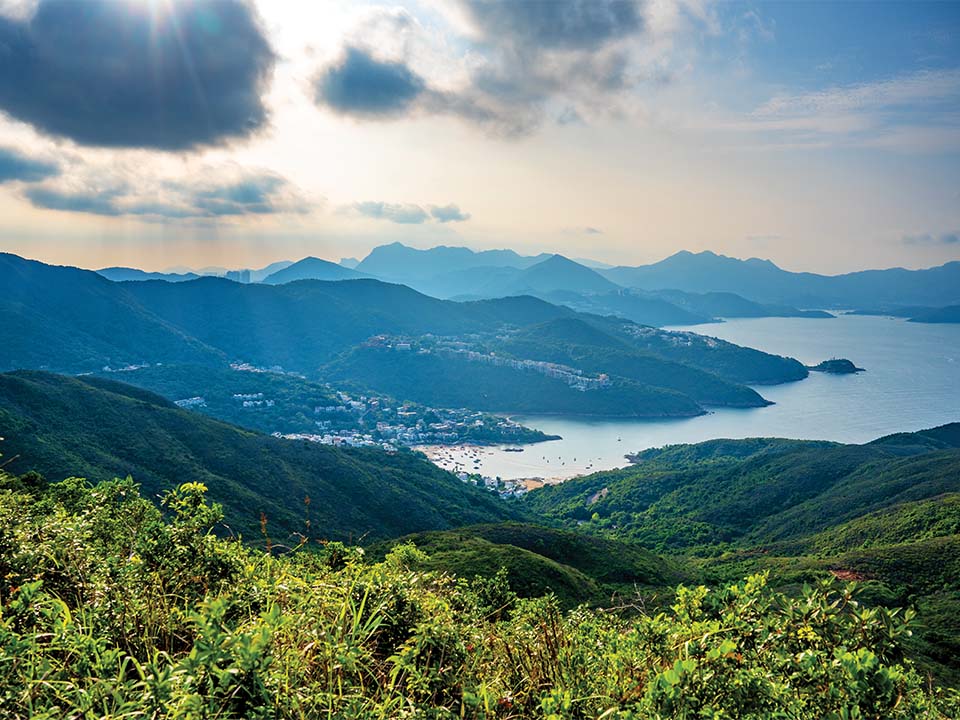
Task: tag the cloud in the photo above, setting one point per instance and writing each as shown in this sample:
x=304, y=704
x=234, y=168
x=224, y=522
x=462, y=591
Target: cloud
x=16, y=166
x=161, y=75
x=254, y=193
x=448, y=213
x=83, y=202
x=592, y=231
x=403, y=213
x=358, y=84
x=516, y=64
x=408, y=213
x=562, y=24
x=925, y=87
x=251, y=196
x=930, y=239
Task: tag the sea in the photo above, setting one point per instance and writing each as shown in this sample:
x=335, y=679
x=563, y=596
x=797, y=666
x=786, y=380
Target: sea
x=911, y=381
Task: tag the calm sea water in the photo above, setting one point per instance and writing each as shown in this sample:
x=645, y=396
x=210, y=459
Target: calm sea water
x=912, y=382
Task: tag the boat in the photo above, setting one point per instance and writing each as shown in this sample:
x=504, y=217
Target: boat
x=513, y=449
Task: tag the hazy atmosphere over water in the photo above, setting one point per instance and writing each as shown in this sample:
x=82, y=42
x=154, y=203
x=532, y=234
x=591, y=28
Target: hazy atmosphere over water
x=822, y=136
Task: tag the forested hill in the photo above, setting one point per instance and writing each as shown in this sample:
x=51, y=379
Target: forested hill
x=886, y=514
x=69, y=320
x=100, y=429
x=757, y=491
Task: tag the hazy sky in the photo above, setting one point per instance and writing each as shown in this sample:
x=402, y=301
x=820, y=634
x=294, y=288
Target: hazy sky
x=154, y=133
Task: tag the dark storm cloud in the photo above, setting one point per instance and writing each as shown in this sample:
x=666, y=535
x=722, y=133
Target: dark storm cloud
x=556, y=24
x=448, y=213
x=405, y=214
x=16, y=166
x=167, y=76
x=358, y=84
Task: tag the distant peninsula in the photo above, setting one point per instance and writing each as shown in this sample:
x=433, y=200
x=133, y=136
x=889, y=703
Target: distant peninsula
x=836, y=366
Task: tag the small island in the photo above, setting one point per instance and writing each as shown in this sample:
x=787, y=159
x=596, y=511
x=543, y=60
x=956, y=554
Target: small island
x=836, y=366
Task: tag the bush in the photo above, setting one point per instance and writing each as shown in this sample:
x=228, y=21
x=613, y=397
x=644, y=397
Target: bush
x=112, y=607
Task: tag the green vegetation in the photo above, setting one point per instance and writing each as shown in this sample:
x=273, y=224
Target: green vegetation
x=111, y=607
x=887, y=513
x=286, y=403
x=71, y=320
x=576, y=568
x=102, y=429
x=836, y=366
x=571, y=341
x=465, y=383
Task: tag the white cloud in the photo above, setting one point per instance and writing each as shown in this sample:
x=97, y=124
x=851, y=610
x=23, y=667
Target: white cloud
x=905, y=91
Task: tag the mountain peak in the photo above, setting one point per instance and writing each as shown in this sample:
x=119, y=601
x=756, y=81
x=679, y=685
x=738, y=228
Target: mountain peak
x=312, y=268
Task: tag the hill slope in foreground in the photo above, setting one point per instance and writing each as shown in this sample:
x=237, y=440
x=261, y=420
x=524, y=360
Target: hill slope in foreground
x=113, y=610
x=884, y=513
x=100, y=429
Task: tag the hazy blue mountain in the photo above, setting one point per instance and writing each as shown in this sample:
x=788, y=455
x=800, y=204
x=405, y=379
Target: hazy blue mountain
x=553, y=274
x=949, y=314
x=731, y=305
x=560, y=273
x=250, y=275
x=762, y=281
x=629, y=304
x=349, y=262
x=399, y=263
x=75, y=320
x=312, y=268
x=122, y=274
x=64, y=318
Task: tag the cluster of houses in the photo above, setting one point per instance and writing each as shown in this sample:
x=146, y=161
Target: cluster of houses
x=572, y=376
x=503, y=488
x=462, y=349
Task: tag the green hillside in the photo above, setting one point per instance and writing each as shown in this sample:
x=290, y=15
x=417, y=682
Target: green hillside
x=753, y=492
x=100, y=429
x=574, y=342
x=62, y=318
x=72, y=320
x=577, y=568
x=886, y=514
x=449, y=380
x=114, y=609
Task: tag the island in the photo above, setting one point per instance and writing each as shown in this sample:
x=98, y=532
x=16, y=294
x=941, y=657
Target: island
x=836, y=366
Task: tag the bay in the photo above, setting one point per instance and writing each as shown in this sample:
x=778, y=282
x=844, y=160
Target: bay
x=912, y=381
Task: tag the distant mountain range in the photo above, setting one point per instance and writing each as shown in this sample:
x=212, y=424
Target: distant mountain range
x=123, y=274
x=684, y=289
x=311, y=268
x=479, y=354
x=762, y=281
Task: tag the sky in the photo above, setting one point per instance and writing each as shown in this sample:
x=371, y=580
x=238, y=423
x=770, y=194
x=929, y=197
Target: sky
x=194, y=133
